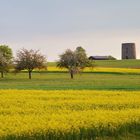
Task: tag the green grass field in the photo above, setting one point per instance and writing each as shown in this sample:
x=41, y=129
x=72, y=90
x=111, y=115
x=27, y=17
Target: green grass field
x=112, y=63
x=62, y=81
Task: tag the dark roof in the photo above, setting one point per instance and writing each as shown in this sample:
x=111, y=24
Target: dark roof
x=99, y=57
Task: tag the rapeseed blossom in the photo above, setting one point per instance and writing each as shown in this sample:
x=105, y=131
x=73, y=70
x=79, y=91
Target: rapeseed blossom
x=67, y=114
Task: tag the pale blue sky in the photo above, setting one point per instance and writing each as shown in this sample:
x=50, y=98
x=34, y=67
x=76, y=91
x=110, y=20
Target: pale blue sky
x=52, y=26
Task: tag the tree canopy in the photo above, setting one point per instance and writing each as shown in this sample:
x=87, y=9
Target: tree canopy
x=5, y=59
x=74, y=61
x=29, y=60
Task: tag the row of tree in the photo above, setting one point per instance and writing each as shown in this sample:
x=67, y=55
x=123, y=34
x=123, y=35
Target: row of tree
x=75, y=61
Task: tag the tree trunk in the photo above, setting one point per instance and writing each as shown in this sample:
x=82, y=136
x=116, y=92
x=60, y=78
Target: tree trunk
x=30, y=74
x=2, y=75
x=71, y=74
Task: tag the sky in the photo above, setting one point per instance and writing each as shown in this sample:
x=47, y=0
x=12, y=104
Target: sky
x=99, y=26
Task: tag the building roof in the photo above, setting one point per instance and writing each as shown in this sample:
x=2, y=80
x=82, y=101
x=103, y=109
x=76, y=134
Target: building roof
x=99, y=57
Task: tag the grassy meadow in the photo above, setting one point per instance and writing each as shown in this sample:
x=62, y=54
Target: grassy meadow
x=62, y=81
x=102, y=103
x=112, y=63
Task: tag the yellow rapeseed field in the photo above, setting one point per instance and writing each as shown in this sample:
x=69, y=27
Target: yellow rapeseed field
x=68, y=115
x=99, y=69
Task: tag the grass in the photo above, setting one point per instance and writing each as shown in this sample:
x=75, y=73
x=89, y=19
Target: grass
x=69, y=115
x=62, y=81
x=119, y=63
x=112, y=63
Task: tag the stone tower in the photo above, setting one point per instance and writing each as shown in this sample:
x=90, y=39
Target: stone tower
x=128, y=51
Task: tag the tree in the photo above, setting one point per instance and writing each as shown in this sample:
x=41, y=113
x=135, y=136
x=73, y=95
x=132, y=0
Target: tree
x=111, y=57
x=29, y=60
x=5, y=59
x=82, y=58
x=68, y=60
x=74, y=61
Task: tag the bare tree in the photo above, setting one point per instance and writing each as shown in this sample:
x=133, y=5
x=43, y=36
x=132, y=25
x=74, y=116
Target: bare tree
x=74, y=61
x=29, y=60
